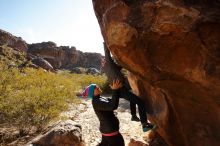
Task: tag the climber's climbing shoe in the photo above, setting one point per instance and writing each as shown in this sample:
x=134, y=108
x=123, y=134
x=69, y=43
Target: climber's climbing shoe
x=148, y=126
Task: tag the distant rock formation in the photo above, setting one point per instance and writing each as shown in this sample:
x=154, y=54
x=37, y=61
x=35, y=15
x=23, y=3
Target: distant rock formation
x=57, y=56
x=172, y=48
x=14, y=42
x=64, y=56
x=88, y=60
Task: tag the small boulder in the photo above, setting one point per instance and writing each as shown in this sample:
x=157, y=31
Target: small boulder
x=92, y=71
x=136, y=143
x=66, y=133
x=75, y=70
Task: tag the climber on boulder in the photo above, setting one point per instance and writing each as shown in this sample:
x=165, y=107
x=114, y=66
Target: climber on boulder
x=113, y=71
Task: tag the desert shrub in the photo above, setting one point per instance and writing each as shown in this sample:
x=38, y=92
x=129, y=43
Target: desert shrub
x=35, y=97
x=84, y=80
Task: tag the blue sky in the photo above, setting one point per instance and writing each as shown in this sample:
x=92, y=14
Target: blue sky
x=65, y=22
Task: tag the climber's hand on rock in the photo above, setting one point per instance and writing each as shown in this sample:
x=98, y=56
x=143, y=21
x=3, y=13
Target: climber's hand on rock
x=116, y=84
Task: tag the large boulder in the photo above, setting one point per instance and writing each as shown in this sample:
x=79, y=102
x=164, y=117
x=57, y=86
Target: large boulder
x=172, y=49
x=66, y=133
x=14, y=42
x=42, y=63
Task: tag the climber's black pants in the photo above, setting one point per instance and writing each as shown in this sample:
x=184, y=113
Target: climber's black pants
x=133, y=108
x=116, y=140
x=128, y=95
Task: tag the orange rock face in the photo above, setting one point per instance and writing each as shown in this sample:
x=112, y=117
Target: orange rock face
x=172, y=49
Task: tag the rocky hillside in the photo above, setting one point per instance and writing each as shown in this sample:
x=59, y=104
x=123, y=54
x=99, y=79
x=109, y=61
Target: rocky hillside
x=49, y=55
x=172, y=49
x=12, y=41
